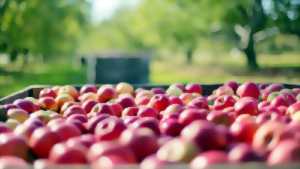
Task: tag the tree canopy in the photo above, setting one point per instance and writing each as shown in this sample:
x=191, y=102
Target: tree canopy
x=42, y=28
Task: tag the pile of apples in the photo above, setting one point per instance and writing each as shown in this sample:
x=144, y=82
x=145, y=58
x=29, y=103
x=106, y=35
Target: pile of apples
x=117, y=125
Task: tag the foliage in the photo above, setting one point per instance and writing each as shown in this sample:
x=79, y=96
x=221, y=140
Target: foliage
x=42, y=28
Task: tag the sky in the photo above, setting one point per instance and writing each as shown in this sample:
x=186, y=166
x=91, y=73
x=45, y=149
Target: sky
x=103, y=9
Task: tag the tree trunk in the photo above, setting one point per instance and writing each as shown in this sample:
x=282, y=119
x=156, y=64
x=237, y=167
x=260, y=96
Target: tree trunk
x=250, y=53
x=189, y=55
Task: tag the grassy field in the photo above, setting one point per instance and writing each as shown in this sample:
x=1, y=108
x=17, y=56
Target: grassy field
x=276, y=68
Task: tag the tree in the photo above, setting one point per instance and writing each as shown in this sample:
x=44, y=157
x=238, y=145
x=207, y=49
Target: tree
x=42, y=28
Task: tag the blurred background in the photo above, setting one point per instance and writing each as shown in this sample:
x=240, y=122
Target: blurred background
x=206, y=41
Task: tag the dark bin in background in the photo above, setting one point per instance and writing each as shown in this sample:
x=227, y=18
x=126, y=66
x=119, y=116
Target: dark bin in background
x=117, y=67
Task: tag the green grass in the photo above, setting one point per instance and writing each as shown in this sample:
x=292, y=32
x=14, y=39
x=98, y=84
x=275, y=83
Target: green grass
x=279, y=68
x=275, y=68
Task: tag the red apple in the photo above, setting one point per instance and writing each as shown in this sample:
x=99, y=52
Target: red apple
x=26, y=105
x=159, y=102
x=93, y=121
x=116, y=108
x=199, y=102
x=110, y=148
x=62, y=153
x=223, y=101
x=74, y=109
x=208, y=158
x=126, y=101
x=48, y=103
x=130, y=119
x=193, y=88
x=109, y=129
x=158, y=90
x=88, y=105
x=243, y=153
x=13, y=145
x=102, y=108
x=144, y=111
x=248, y=89
x=175, y=100
x=170, y=127
x=130, y=111
x=204, y=134
x=86, y=140
x=47, y=92
x=147, y=122
x=81, y=117
x=142, y=142
x=10, y=162
x=244, y=131
x=286, y=152
x=42, y=140
x=88, y=88
x=268, y=136
x=66, y=130
x=26, y=129
x=191, y=114
x=246, y=105
x=106, y=93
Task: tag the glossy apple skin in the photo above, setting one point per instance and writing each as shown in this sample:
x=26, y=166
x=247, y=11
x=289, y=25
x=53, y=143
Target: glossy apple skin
x=244, y=131
x=13, y=145
x=159, y=102
x=193, y=88
x=42, y=140
x=93, y=121
x=243, y=153
x=108, y=148
x=147, y=122
x=223, y=90
x=10, y=162
x=130, y=111
x=48, y=103
x=106, y=93
x=268, y=136
x=293, y=108
x=88, y=105
x=144, y=111
x=171, y=127
x=47, y=92
x=86, y=140
x=204, y=134
x=246, y=105
x=26, y=105
x=65, y=130
x=248, y=89
x=88, y=88
x=142, y=142
x=126, y=101
x=157, y=90
x=26, y=129
x=124, y=88
x=199, y=103
x=102, y=108
x=109, y=129
x=74, y=109
x=189, y=115
x=287, y=151
x=65, y=154
x=206, y=159
x=223, y=102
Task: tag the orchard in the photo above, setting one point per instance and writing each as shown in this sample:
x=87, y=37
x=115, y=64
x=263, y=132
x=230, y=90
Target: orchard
x=109, y=126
